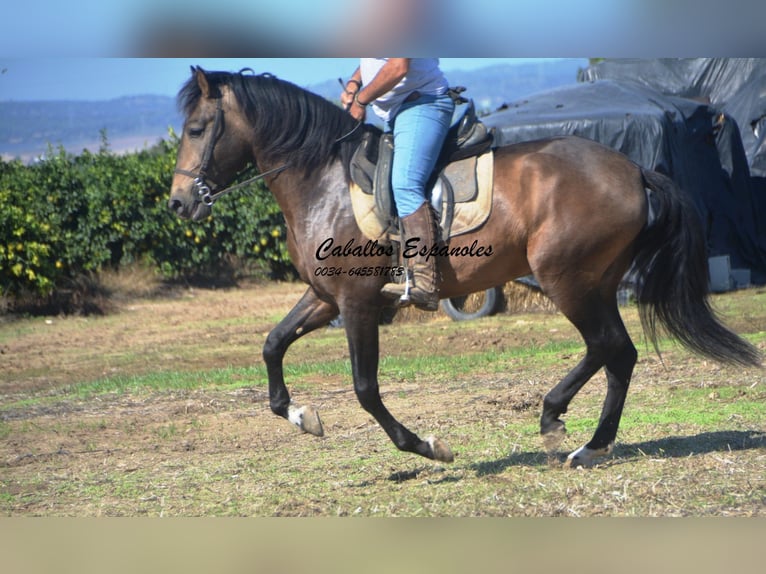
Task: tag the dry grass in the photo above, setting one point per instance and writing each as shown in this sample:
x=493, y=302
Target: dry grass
x=522, y=299
x=87, y=294
x=131, y=282
x=517, y=298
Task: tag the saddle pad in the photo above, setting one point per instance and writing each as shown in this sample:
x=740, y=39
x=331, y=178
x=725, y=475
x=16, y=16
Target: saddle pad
x=471, y=178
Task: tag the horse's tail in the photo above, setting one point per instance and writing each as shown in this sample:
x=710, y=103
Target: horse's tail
x=672, y=279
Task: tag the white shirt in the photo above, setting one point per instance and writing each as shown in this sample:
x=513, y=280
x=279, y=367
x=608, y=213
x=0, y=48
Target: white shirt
x=424, y=76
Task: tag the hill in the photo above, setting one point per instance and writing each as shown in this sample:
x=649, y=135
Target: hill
x=135, y=122
x=27, y=128
x=492, y=86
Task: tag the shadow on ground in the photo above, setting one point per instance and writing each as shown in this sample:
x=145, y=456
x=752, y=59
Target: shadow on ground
x=670, y=447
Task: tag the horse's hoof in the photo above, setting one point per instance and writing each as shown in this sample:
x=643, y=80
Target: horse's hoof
x=307, y=419
x=312, y=424
x=553, y=438
x=586, y=457
x=440, y=450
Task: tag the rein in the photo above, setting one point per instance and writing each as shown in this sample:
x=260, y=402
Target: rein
x=209, y=195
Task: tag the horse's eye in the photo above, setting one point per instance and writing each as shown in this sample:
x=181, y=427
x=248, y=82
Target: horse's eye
x=195, y=131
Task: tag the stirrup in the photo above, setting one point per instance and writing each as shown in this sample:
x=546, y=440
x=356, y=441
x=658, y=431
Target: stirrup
x=404, y=300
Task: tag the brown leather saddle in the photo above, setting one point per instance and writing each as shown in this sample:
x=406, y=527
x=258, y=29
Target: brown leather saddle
x=370, y=168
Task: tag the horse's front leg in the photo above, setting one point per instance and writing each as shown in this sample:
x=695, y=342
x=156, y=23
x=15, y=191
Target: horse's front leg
x=362, y=334
x=310, y=313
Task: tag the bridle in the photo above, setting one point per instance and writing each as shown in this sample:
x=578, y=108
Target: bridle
x=209, y=194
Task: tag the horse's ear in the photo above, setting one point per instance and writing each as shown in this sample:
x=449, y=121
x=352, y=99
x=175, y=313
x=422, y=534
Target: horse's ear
x=202, y=81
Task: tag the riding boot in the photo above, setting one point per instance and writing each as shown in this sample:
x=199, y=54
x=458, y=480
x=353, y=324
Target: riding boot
x=418, y=238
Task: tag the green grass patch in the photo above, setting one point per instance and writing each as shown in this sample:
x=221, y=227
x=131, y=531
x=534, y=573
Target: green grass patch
x=230, y=378
x=441, y=367
x=701, y=407
x=5, y=430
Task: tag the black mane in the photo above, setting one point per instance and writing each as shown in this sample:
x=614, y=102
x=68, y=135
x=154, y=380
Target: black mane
x=290, y=123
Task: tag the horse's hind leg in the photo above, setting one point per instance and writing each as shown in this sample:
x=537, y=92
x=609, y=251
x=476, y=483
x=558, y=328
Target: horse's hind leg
x=608, y=344
x=619, y=369
x=308, y=314
x=362, y=335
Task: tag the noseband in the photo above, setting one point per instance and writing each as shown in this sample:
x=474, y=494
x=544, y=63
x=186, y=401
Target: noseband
x=206, y=193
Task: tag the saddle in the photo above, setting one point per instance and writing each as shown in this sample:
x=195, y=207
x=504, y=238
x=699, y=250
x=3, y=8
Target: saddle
x=457, y=179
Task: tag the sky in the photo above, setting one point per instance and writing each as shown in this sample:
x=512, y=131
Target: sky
x=492, y=28
x=125, y=27
x=36, y=79
x=100, y=49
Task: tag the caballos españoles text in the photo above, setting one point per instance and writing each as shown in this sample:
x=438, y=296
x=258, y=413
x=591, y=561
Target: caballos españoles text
x=328, y=248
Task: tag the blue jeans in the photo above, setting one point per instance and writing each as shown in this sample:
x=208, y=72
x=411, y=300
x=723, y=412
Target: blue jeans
x=419, y=130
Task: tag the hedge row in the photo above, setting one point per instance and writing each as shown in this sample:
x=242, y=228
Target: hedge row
x=65, y=215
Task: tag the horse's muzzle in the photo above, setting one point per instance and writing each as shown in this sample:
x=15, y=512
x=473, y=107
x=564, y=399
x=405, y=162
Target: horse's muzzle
x=194, y=210
x=176, y=206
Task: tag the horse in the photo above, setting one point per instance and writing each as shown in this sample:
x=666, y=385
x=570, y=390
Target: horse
x=571, y=212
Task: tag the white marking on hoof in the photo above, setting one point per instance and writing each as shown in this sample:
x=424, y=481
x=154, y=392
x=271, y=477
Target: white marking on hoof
x=587, y=457
x=295, y=415
x=440, y=450
x=306, y=418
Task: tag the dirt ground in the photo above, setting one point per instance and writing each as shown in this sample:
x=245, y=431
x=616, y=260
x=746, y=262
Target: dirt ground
x=167, y=451
x=188, y=329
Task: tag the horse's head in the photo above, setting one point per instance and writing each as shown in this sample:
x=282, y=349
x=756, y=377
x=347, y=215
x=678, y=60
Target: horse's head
x=213, y=145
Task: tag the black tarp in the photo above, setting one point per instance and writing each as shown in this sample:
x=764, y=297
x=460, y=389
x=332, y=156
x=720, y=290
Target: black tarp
x=670, y=125
x=735, y=85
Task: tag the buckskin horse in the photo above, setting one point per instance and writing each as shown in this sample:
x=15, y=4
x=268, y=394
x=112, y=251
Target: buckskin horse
x=570, y=211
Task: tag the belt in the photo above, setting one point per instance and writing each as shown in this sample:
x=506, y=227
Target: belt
x=412, y=97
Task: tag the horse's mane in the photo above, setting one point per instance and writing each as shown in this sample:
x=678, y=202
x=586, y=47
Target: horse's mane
x=290, y=123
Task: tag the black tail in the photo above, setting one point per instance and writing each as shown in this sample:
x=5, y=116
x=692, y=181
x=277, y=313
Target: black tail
x=672, y=286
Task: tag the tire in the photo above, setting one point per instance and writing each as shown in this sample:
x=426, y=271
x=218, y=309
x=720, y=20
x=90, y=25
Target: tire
x=473, y=306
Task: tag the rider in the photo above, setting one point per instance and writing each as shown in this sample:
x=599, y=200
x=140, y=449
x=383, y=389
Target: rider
x=410, y=96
